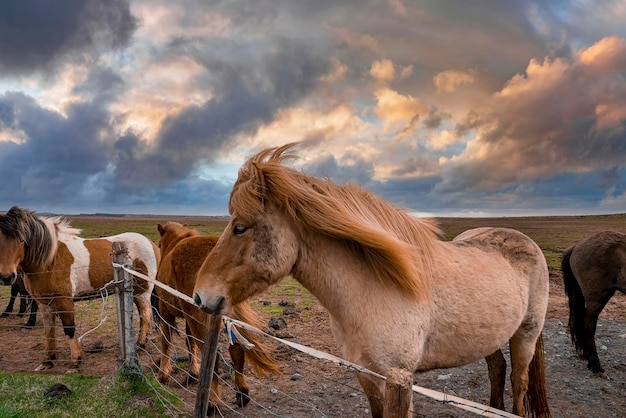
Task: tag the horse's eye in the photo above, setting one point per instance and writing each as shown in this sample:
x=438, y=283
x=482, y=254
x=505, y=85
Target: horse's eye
x=239, y=229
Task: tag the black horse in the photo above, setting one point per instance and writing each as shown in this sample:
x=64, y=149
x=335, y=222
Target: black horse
x=593, y=269
x=18, y=289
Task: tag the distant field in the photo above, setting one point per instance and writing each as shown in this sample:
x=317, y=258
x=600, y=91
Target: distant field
x=99, y=226
x=552, y=233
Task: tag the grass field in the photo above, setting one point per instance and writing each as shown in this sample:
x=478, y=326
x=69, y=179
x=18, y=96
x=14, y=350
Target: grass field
x=22, y=395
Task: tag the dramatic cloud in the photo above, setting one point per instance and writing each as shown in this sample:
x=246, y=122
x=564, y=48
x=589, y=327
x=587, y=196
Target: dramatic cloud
x=39, y=34
x=145, y=106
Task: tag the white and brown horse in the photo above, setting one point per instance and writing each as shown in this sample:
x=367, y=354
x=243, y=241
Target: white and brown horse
x=60, y=267
x=400, y=299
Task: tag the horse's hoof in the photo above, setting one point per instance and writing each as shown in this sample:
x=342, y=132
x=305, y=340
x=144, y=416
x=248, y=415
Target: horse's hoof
x=601, y=374
x=242, y=398
x=73, y=370
x=44, y=366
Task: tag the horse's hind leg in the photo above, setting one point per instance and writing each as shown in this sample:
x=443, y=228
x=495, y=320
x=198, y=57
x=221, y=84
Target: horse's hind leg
x=522, y=351
x=238, y=357
x=496, y=364
x=32, y=318
x=14, y=293
x=594, y=308
x=144, y=307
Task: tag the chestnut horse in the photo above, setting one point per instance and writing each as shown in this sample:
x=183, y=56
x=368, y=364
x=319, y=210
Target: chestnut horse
x=60, y=267
x=400, y=299
x=593, y=269
x=183, y=250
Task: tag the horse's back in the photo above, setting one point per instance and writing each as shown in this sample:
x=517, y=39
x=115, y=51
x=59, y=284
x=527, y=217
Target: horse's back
x=599, y=261
x=514, y=246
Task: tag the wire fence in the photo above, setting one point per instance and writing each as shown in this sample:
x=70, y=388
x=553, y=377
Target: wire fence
x=313, y=383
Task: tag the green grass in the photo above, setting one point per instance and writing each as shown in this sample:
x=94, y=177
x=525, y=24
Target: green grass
x=23, y=395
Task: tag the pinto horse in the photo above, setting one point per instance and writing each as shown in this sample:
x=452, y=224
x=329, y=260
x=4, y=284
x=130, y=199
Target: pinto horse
x=593, y=269
x=18, y=288
x=400, y=299
x=183, y=250
x=61, y=267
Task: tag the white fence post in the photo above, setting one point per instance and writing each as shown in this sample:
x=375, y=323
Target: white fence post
x=125, y=306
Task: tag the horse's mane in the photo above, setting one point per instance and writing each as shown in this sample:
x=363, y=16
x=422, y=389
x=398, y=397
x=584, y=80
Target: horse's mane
x=38, y=233
x=397, y=246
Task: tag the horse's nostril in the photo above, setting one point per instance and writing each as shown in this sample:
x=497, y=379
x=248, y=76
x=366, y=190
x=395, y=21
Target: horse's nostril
x=197, y=299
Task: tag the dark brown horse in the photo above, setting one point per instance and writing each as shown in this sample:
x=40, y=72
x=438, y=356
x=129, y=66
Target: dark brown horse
x=18, y=289
x=183, y=252
x=593, y=269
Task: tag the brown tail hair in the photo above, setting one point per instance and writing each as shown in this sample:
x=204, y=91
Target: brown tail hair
x=262, y=362
x=536, y=399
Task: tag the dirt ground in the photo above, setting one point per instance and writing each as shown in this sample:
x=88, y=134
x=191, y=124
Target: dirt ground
x=310, y=387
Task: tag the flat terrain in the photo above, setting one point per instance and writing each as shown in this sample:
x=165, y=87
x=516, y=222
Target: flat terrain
x=316, y=388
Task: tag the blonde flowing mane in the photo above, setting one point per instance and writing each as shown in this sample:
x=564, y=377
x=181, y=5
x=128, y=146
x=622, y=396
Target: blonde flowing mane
x=398, y=247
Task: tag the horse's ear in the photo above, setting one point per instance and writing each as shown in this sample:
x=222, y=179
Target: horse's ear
x=160, y=229
x=185, y=225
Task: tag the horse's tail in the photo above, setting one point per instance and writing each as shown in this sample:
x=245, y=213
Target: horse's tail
x=576, y=301
x=262, y=362
x=536, y=399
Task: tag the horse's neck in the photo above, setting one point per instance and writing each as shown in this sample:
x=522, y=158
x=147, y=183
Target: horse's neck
x=335, y=275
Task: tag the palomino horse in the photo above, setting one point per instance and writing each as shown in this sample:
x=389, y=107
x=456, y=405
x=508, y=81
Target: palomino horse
x=18, y=288
x=183, y=250
x=593, y=269
x=400, y=299
x=60, y=267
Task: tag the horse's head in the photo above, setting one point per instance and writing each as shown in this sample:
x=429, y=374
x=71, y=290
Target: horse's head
x=171, y=233
x=12, y=247
x=258, y=247
x=249, y=256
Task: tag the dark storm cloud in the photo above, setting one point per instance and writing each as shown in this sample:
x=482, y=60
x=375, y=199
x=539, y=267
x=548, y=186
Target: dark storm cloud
x=352, y=169
x=245, y=97
x=37, y=34
x=58, y=152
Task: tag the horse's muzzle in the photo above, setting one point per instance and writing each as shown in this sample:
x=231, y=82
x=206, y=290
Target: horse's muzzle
x=8, y=279
x=215, y=308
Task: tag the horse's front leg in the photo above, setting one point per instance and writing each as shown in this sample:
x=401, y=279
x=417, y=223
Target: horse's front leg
x=373, y=389
x=48, y=327
x=496, y=364
x=238, y=357
x=65, y=310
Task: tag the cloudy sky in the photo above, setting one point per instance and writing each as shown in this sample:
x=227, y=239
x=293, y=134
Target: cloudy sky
x=444, y=107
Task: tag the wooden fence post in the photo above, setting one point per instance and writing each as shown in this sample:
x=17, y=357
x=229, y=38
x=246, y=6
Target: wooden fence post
x=209, y=354
x=398, y=393
x=125, y=306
